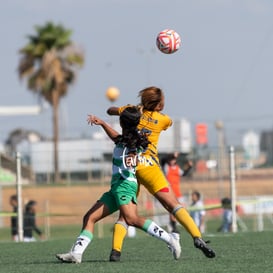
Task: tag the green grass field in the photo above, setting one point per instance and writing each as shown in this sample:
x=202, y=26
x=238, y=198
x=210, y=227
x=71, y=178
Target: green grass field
x=244, y=252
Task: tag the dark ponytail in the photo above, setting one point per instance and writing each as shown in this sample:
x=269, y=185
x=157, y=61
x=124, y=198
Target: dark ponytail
x=131, y=137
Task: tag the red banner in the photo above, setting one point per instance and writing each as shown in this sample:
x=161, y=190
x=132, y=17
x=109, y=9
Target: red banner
x=201, y=132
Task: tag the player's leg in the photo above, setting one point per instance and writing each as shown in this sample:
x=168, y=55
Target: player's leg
x=129, y=212
x=173, y=224
x=119, y=234
x=101, y=209
x=120, y=228
x=169, y=201
x=124, y=193
x=173, y=221
x=155, y=182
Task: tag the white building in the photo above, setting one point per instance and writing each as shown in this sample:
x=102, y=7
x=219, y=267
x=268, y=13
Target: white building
x=251, y=145
x=86, y=155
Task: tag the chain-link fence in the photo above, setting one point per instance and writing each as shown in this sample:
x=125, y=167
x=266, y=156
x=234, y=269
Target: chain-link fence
x=85, y=176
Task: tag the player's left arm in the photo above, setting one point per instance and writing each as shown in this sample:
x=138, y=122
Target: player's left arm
x=112, y=133
x=187, y=169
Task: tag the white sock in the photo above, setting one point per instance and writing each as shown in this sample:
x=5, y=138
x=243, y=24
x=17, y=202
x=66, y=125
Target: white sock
x=156, y=231
x=81, y=244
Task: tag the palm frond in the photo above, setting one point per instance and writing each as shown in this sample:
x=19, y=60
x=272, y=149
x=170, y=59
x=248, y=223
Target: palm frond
x=36, y=81
x=75, y=59
x=26, y=66
x=27, y=49
x=50, y=60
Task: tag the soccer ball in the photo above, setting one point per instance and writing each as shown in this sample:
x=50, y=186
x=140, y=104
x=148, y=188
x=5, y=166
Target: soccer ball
x=168, y=41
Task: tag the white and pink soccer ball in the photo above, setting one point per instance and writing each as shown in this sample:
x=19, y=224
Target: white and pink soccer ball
x=168, y=41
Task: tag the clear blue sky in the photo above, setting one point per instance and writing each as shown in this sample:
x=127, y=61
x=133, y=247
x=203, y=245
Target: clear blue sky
x=223, y=70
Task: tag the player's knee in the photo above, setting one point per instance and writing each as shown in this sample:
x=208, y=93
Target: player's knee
x=131, y=220
x=167, y=199
x=88, y=218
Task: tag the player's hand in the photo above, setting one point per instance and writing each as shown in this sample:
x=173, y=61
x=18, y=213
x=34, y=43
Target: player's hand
x=189, y=163
x=91, y=120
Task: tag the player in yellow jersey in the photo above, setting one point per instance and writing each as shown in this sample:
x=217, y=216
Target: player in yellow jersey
x=149, y=172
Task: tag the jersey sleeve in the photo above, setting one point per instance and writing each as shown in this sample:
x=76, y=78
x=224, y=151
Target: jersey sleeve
x=167, y=122
x=121, y=108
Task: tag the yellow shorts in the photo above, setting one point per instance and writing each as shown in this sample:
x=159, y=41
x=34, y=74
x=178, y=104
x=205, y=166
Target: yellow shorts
x=152, y=178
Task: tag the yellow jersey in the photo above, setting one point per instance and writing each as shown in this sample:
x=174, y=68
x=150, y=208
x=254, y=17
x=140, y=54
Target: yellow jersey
x=152, y=123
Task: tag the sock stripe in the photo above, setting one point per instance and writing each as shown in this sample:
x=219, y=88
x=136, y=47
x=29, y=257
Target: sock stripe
x=176, y=209
x=122, y=223
x=87, y=234
x=147, y=224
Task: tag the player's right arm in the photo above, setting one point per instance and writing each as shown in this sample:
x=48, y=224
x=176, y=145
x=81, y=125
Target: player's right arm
x=116, y=111
x=113, y=111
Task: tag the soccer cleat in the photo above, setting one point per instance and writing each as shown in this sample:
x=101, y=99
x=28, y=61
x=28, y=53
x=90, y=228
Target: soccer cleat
x=70, y=257
x=174, y=245
x=202, y=245
x=115, y=256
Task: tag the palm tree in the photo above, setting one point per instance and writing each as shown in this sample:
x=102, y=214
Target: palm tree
x=49, y=62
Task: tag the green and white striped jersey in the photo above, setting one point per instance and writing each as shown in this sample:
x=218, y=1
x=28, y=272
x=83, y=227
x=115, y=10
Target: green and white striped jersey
x=124, y=163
